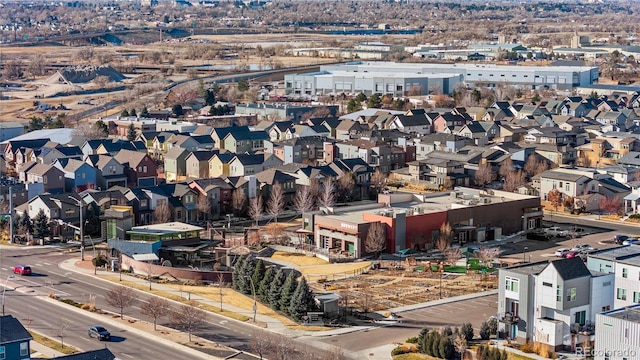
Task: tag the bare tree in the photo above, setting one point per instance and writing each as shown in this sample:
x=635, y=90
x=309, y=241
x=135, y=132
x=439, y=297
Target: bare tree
x=162, y=213
x=62, y=330
x=260, y=343
x=204, y=205
x=531, y=165
x=452, y=255
x=376, y=240
x=275, y=205
x=483, y=175
x=505, y=168
x=239, y=201
x=378, y=180
x=188, y=318
x=221, y=286
x=346, y=184
x=514, y=180
x=486, y=254
x=303, y=201
x=461, y=345
x=446, y=233
x=280, y=347
x=327, y=193
x=121, y=298
x=256, y=208
x=89, y=132
x=364, y=298
x=274, y=231
x=156, y=308
x=611, y=204
x=554, y=197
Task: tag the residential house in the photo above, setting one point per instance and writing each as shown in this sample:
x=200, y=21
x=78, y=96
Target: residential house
x=299, y=150
x=14, y=339
x=60, y=206
x=219, y=134
x=575, y=109
x=269, y=177
x=557, y=154
x=182, y=141
x=302, y=131
x=48, y=155
x=448, y=121
x=436, y=173
x=79, y=175
x=439, y=142
x=416, y=125
x=51, y=179
x=606, y=150
x=347, y=128
x=140, y=169
x=197, y=163
x=205, y=142
x=219, y=192
x=90, y=147
x=616, y=335
x=375, y=153
x=243, y=164
x=12, y=146
x=110, y=172
x=159, y=144
x=140, y=200
x=624, y=263
x=480, y=131
x=568, y=183
x=244, y=141
x=554, y=303
x=276, y=129
x=175, y=165
x=100, y=354
x=181, y=198
x=219, y=164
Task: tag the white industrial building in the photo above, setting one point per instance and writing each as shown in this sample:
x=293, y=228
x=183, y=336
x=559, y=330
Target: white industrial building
x=617, y=335
x=398, y=79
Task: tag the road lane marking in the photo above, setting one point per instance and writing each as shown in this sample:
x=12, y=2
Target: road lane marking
x=127, y=355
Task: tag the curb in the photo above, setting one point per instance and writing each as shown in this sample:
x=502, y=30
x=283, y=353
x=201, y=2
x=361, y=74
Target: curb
x=107, y=320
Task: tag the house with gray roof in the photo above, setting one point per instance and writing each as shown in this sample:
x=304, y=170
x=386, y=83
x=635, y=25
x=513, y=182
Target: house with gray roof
x=14, y=339
x=100, y=354
x=79, y=175
x=554, y=303
x=46, y=179
x=110, y=172
x=416, y=124
x=568, y=183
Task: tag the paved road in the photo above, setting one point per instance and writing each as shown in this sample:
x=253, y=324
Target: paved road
x=474, y=311
x=78, y=287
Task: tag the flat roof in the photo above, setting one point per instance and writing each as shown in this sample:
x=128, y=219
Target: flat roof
x=631, y=313
x=372, y=66
x=617, y=253
x=166, y=228
x=528, y=269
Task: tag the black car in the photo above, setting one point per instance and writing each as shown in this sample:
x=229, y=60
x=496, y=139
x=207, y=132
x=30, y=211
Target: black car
x=619, y=239
x=99, y=332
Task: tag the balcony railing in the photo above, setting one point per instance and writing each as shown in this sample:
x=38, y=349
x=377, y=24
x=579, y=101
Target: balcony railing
x=509, y=318
x=586, y=329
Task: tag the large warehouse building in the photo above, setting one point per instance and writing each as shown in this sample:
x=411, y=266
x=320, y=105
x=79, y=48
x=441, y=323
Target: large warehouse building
x=398, y=79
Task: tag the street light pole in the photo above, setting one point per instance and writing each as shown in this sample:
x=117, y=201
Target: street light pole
x=4, y=290
x=79, y=202
x=255, y=303
x=524, y=254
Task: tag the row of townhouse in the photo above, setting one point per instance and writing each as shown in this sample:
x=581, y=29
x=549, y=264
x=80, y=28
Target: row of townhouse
x=568, y=304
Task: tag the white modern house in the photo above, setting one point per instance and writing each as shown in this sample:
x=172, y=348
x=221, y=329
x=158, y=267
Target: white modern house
x=553, y=303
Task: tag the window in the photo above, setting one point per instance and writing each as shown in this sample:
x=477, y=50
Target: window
x=547, y=284
x=636, y=297
x=558, y=293
x=512, y=284
x=571, y=294
x=24, y=349
x=606, y=308
x=143, y=203
x=179, y=213
x=3, y=355
x=144, y=168
x=580, y=317
x=621, y=294
x=625, y=272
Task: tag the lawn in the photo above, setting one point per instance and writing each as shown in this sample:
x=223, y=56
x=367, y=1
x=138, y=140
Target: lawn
x=298, y=259
x=53, y=344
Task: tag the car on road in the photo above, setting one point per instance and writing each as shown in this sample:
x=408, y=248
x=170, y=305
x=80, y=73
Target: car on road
x=556, y=231
x=22, y=270
x=583, y=248
x=99, y=332
x=561, y=252
x=571, y=254
x=619, y=239
x=631, y=241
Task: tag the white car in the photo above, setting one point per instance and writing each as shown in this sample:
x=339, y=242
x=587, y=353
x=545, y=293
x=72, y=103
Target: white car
x=631, y=241
x=583, y=248
x=556, y=231
x=561, y=252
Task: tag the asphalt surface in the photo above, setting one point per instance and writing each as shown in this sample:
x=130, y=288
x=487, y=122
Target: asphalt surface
x=48, y=278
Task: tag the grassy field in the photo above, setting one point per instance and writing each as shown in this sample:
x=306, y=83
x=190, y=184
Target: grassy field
x=53, y=344
x=298, y=259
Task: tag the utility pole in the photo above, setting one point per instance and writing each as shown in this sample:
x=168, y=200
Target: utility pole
x=81, y=227
x=10, y=214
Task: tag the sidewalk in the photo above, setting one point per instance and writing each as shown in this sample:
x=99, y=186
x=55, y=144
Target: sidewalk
x=43, y=351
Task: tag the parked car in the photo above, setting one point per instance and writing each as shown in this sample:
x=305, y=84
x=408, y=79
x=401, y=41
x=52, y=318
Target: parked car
x=631, y=241
x=538, y=235
x=22, y=270
x=583, y=248
x=619, y=239
x=556, y=231
x=576, y=232
x=561, y=252
x=99, y=332
x=571, y=254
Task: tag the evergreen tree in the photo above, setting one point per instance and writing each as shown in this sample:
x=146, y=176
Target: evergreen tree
x=361, y=97
x=435, y=344
x=209, y=98
x=236, y=276
x=144, y=113
x=124, y=113
x=374, y=102
x=243, y=85
x=258, y=274
x=131, y=132
x=302, y=301
x=353, y=105
x=422, y=337
x=248, y=267
x=485, y=332
x=265, y=284
x=273, y=297
x=445, y=348
x=286, y=294
x=467, y=331
x=41, y=225
x=177, y=110
x=446, y=331
x=100, y=125
x=133, y=113
x=25, y=223
x=504, y=355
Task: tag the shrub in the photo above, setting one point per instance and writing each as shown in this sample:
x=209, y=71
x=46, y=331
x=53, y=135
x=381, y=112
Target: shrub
x=467, y=331
x=412, y=340
x=398, y=351
x=634, y=216
x=493, y=325
x=527, y=347
x=485, y=331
